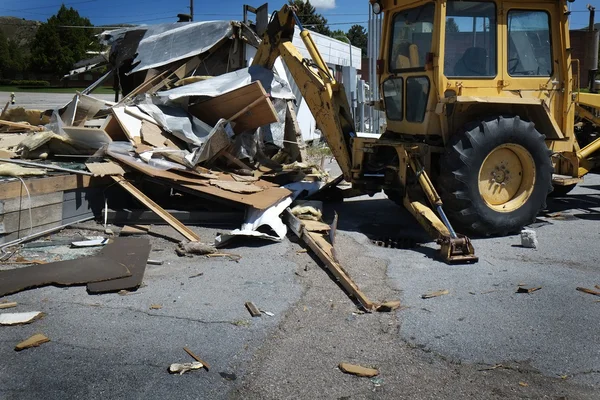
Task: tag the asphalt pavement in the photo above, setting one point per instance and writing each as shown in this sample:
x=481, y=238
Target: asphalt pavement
x=482, y=340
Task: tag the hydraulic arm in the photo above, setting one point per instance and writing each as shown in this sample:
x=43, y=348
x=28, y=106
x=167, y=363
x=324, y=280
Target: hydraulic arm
x=327, y=101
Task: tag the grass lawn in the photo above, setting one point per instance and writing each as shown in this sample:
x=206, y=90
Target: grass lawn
x=100, y=90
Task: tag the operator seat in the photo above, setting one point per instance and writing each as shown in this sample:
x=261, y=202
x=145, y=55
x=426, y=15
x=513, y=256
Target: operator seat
x=472, y=63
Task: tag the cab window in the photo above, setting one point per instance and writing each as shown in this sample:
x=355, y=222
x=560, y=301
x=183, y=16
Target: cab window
x=529, y=43
x=411, y=40
x=470, y=45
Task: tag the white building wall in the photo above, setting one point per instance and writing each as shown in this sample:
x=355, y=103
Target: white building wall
x=334, y=53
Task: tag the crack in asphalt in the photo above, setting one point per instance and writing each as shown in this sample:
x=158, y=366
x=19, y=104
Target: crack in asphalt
x=136, y=310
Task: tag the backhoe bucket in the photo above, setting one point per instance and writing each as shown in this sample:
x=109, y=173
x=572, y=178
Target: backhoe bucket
x=457, y=250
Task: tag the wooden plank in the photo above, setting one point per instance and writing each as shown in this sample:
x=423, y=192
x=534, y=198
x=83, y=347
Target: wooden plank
x=195, y=357
x=143, y=88
x=176, y=224
x=23, y=203
x=33, y=341
x=229, y=104
x=105, y=168
x=20, y=221
x=21, y=126
x=9, y=304
x=44, y=185
x=252, y=309
x=324, y=250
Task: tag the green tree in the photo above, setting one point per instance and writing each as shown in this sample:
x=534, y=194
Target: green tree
x=4, y=56
x=310, y=18
x=358, y=37
x=18, y=61
x=56, y=48
x=340, y=35
x=451, y=26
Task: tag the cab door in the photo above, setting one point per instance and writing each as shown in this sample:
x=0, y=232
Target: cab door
x=532, y=49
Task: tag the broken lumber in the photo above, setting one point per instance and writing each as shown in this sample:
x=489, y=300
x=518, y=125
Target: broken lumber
x=252, y=309
x=358, y=370
x=33, y=341
x=48, y=166
x=588, y=291
x=195, y=357
x=249, y=106
x=324, y=250
x=9, y=304
x=175, y=223
x=437, y=293
x=22, y=126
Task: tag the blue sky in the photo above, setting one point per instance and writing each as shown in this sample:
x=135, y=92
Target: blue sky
x=341, y=14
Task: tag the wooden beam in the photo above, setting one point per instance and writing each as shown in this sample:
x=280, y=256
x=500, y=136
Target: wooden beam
x=21, y=126
x=324, y=250
x=36, y=186
x=168, y=218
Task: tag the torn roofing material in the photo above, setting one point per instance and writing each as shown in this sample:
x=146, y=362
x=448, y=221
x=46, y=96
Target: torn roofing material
x=274, y=86
x=165, y=43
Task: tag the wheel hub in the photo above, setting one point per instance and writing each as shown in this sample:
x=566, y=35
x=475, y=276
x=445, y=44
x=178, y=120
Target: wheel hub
x=507, y=177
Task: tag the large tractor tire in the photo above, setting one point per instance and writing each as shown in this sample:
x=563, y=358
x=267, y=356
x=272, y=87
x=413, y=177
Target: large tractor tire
x=495, y=176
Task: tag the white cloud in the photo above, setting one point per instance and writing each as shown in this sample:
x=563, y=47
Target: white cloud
x=327, y=4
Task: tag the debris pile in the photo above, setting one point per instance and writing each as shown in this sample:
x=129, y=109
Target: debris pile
x=196, y=138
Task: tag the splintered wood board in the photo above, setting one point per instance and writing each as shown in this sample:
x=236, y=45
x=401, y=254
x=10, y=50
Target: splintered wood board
x=51, y=184
x=105, y=168
x=130, y=125
x=168, y=218
x=229, y=104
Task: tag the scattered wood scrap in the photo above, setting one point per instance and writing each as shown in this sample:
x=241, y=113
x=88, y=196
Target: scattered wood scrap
x=168, y=218
x=588, y=291
x=7, y=304
x=19, y=125
x=358, y=370
x=33, y=341
x=437, y=293
x=105, y=168
x=195, y=357
x=134, y=230
x=252, y=309
x=522, y=289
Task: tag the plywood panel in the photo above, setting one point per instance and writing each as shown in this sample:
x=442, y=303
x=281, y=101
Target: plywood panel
x=229, y=104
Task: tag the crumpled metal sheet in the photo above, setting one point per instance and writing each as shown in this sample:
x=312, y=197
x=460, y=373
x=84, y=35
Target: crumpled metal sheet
x=165, y=43
x=178, y=122
x=275, y=132
x=274, y=86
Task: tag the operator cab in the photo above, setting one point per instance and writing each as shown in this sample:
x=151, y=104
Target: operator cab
x=485, y=48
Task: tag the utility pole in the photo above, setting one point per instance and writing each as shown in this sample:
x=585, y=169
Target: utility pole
x=191, y=10
x=592, y=56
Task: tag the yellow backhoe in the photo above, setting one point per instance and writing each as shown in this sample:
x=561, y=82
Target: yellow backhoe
x=480, y=99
